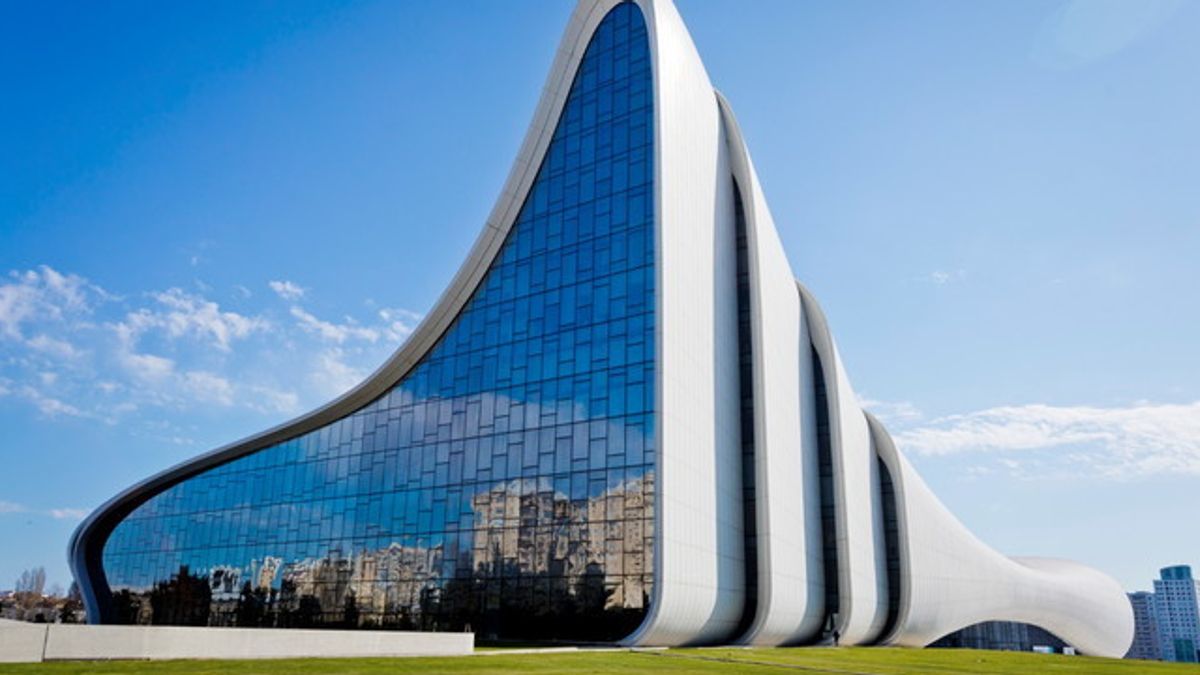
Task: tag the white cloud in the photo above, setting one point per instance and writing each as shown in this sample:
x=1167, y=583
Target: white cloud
x=43, y=294
x=333, y=376
x=191, y=314
x=208, y=387
x=267, y=399
x=1085, y=31
x=892, y=412
x=52, y=346
x=57, y=514
x=942, y=277
x=1140, y=439
x=398, y=323
x=286, y=289
x=148, y=367
x=48, y=405
x=73, y=349
x=334, y=332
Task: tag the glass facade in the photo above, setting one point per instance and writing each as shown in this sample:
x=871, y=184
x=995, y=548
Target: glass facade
x=829, y=543
x=891, y=546
x=746, y=414
x=506, y=484
x=1005, y=636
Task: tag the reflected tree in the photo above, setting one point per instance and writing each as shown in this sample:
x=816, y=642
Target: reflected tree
x=184, y=600
x=251, y=607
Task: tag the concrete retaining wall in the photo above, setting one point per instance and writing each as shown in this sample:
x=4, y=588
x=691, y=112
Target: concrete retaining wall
x=23, y=642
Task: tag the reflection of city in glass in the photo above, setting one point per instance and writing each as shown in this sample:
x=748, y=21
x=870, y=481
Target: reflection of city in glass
x=507, y=482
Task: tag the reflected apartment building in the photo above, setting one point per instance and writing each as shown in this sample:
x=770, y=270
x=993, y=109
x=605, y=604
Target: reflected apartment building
x=562, y=565
x=624, y=421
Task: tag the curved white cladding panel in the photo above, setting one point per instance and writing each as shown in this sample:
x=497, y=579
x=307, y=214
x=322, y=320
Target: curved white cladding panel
x=885, y=449
x=949, y=579
x=862, y=577
x=699, y=573
x=790, y=605
x=953, y=580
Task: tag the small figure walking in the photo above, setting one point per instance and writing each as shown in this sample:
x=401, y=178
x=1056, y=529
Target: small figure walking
x=836, y=635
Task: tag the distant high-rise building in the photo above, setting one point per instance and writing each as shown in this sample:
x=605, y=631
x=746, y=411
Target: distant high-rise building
x=1178, y=614
x=1146, y=643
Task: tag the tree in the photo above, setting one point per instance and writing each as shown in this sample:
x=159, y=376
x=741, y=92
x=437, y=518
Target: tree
x=67, y=613
x=72, y=605
x=32, y=581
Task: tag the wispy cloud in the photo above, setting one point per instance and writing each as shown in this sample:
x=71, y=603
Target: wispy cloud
x=147, y=367
x=334, y=332
x=7, y=507
x=1081, y=32
x=47, y=406
x=69, y=348
x=158, y=381
x=52, y=346
x=892, y=412
x=270, y=400
x=68, y=514
x=209, y=387
x=43, y=295
x=398, y=323
x=332, y=375
x=286, y=289
x=1115, y=442
x=183, y=314
x=50, y=406
x=943, y=277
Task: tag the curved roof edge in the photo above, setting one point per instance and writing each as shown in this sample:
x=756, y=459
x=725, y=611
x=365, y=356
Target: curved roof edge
x=86, y=544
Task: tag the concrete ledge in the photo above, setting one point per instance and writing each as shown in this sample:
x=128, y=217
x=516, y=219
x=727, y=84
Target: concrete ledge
x=58, y=642
x=21, y=642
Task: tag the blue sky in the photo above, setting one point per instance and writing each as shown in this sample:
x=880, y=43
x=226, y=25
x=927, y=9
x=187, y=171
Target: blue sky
x=216, y=216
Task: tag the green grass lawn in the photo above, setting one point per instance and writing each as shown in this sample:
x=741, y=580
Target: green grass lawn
x=846, y=661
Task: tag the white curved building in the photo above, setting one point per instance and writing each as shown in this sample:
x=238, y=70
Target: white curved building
x=625, y=420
